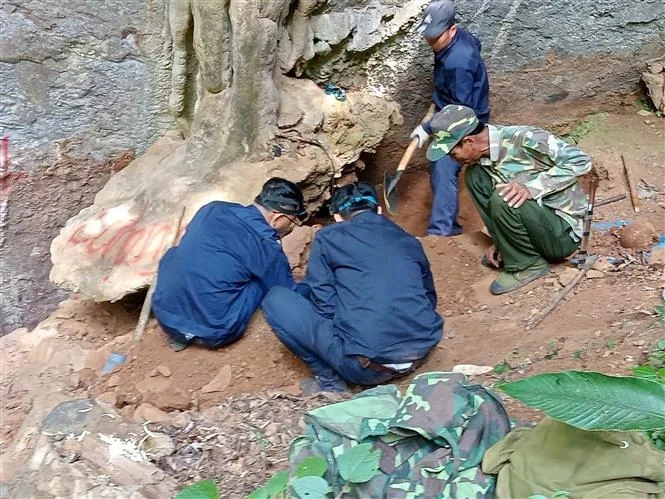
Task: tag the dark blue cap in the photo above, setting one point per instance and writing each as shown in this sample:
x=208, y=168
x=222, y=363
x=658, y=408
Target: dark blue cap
x=438, y=17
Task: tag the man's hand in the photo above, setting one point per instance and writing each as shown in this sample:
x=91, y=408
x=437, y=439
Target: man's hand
x=493, y=257
x=513, y=193
x=419, y=133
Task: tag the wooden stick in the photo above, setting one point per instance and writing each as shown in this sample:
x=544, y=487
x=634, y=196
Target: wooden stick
x=147, y=303
x=611, y=199
x=631, y=185
x=562, y=294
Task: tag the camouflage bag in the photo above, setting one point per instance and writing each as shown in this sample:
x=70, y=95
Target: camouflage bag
x=432, y=438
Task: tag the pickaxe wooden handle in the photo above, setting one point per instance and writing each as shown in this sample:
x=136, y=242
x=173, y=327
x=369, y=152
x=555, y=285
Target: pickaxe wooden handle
x=413, y=145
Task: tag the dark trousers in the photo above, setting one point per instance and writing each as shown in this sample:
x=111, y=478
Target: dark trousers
x=443, y=178
x=314, y=339
x=522, y=235
x=211, y=343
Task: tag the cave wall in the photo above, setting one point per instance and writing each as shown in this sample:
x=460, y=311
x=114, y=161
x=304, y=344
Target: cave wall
x=84, y=88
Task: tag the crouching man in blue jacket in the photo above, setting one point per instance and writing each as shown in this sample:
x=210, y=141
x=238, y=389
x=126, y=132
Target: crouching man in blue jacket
x=366, y=310
x=212, y=282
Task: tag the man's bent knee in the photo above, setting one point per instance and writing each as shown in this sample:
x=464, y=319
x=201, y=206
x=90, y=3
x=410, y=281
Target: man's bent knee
x=275, y=302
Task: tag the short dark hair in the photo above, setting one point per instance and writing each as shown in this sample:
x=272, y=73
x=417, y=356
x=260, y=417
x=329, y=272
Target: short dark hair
x=353, y=198
x=282, y=196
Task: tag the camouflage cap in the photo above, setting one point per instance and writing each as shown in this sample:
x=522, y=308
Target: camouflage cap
x=449, y=126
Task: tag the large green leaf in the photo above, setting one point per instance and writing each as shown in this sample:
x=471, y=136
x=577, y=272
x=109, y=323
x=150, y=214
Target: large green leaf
x=277, y=483
x=260, y=493
x=359, y=464
x=205, y=489
x=311, y=466
x=310, y=487
x=594, y=401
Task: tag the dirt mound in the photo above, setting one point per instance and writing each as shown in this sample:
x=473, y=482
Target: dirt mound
x=256, y=363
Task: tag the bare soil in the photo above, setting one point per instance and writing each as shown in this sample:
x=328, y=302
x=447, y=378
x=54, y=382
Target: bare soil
x=240, y=435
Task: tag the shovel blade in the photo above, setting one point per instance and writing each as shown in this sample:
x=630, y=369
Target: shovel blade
x=390, y=196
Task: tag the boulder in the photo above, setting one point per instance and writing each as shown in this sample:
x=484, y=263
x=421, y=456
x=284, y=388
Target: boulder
x=638, y=235
x=112, y=248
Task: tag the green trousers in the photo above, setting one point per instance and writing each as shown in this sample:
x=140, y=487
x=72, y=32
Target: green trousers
x=522, y=235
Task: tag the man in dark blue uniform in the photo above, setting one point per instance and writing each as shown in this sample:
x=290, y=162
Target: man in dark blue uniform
x=460, y=77
x=212, y=282
x=366, y=310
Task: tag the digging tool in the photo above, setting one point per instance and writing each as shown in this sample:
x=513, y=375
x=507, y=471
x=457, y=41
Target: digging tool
x=390, y=180
x=611, y=199
x=564, y=292
x=147, y=303
x=588, y=216
x=631, y=185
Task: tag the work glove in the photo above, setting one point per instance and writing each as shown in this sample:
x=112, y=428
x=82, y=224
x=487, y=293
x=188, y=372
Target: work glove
x=419, y=133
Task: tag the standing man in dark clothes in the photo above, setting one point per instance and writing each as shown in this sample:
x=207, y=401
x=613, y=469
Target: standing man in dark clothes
x=366, y=312
x=460, y=77
x=212, y=282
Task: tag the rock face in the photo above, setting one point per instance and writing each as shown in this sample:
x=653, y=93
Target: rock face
x=83, y=91
x=654, y=79
x=97, y=83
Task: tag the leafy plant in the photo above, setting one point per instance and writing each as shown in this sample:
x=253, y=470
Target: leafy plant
x=660, y=312
x=577, y=354
x=654, y=368
x=552, y=349
x=585, y=126
x=593, y=401
x=310, y=487
x=311, y=466
x=611, y=344
x=275, y=487
x=357, y=465
x=205, y=489
x=502, y=368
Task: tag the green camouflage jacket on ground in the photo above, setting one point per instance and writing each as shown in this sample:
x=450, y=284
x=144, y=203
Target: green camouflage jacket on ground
x=545, y=164
x=432, y=438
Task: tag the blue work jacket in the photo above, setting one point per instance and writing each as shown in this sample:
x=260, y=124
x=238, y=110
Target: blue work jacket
x=211, y=283
x=374, y=281
x=460, y=76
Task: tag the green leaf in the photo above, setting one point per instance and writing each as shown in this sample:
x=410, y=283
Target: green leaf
x=502, y=368
x=205, y=489
x=312, y=466
x=260, y=493
x=310, y=487
x=277, y=483
x=593, y=401
x=359, y=464
x=561, y=493
x=646, y=372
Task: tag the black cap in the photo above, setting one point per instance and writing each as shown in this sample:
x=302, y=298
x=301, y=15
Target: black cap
x=358, y=196
x=282, y=196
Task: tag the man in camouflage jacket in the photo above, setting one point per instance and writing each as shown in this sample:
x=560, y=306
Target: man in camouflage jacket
x=523, y=181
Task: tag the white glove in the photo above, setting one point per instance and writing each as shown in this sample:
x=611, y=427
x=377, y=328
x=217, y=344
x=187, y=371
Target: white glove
x=420, y=133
